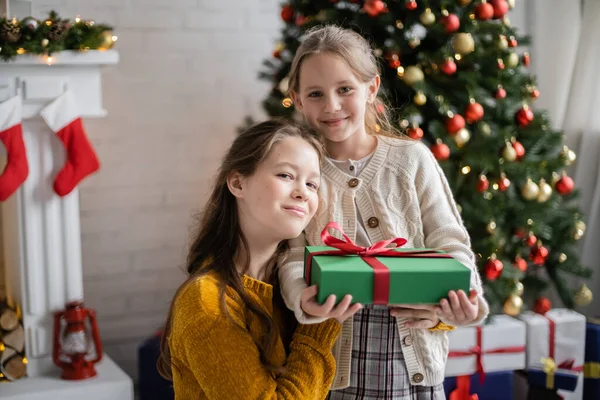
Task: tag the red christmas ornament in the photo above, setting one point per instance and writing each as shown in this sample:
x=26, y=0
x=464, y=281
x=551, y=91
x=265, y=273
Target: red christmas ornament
x=493, y=268
x=411, y=5
x=500, y=92
x=500, y=8
x=519, y=149
x=415, y=132
x=526, y=59
x=394, y=63
x=455, y=123
x=287, y=13
x=520, y=263
x=539, y=254
x=520, y=233
x=482, y=184
x=474, y=112
x=512, y=42
x=276, y=53
x=500, y=64
x=440, y=151
x=449, y=67
x=503, y=183
x=451, y=23
x=531, y=240
x=564, y=185
x=535, y=94
x=374, y=7
x=542, y=305
x=524, y=116
x=484, y=11
x=301, y=20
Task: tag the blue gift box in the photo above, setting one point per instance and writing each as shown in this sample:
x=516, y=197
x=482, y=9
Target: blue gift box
x=497, y=385
x=151, y=385
x=591, y=383
x=564, y=379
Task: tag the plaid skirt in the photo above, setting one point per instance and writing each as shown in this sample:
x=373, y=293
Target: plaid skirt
x=378, y=370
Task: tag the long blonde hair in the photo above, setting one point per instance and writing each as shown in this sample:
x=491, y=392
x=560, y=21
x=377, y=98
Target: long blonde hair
x=356, y=51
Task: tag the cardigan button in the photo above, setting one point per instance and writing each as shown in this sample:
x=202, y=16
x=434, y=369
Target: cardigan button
x=373, y=222
x=407, y=340
x=353, y=182
x=418, y=377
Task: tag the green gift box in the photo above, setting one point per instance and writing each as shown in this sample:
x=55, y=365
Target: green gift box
x=420, y=276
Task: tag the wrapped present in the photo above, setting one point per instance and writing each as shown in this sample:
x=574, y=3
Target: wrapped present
x=382, y=275
x=591, y=368
x=549, y=376
x=560, y=335
x=497, y=346
x=497, y=386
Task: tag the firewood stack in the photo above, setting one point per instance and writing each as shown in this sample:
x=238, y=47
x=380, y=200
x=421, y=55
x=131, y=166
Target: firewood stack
x=13, y=364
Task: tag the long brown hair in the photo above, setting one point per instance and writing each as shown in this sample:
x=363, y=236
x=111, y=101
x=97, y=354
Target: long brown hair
x=355, y=51
x=219, y=239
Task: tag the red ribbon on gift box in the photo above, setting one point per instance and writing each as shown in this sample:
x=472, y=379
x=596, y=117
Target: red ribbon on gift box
x=463, y=389
x=567, y=364
x=381, y=283
x=478, y=353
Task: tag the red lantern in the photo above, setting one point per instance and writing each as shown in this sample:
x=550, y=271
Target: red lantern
x=451, y=23
x=440, y=151
x=72, y=348
x=542, y=305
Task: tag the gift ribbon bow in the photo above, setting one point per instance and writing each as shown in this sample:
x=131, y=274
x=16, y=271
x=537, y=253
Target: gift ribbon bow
x=463, y=389
x=478, y=352
x=381, y=281
x=549, y=367
x=591, y=370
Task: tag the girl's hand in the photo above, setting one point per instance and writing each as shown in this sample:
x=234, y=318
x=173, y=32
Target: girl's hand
x=459, y=309
x=418, y=315
x=341, y=312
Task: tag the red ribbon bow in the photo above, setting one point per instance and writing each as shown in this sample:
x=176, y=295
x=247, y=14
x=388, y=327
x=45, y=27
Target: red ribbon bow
x=463, y=389
x=381, y=282
x=478, y=353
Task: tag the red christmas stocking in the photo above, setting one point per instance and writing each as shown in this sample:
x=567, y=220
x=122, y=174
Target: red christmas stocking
x=63, y=118
x=11, y=135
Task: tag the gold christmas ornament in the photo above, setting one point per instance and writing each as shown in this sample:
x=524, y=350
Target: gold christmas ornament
x=420, y=99
x=530, y=190
x=485, y=128
x=568, y=156
x=562, y=258
x=502, y=42
x=545, y=191
x=509, y=153
x=462, y=137
x=414, y=42
x=512, y=60
x=511, y=3
x=583, y=296
x=412, y=75
x=512, y=305
x=519, y=288
x=427, y=18
x=579, y=230
x=463, y=43
x=107, y=40
x=44, y=42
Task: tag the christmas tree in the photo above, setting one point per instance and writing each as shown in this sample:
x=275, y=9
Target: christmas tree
x=456, y=78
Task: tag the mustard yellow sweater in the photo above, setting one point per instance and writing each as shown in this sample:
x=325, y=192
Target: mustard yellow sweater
x=216, y=358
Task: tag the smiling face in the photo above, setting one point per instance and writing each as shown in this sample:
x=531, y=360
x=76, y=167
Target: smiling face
x=279, y=199
x=333, y=99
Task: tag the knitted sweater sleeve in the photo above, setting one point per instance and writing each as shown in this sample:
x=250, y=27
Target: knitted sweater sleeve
x=442, y=224
x=291, y=279
x=225, y=361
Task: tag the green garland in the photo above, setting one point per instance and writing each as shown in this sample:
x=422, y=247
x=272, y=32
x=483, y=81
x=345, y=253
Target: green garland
x=53, y=34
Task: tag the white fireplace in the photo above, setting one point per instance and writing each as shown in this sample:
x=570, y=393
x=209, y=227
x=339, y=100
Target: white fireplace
x=41, y=230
